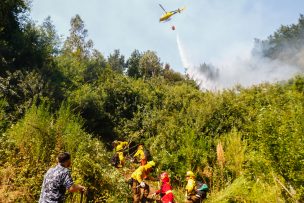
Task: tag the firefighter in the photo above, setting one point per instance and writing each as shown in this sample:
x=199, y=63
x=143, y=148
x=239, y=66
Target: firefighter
x=141, y=155
x=191, y=194
x=119, y=151
x=140, y=188
x=165, y=190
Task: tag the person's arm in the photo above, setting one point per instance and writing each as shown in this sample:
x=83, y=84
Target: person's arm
x=139, y=176
x=136, y=154
x=157, y=192
x=70, y=186
x=77, y=188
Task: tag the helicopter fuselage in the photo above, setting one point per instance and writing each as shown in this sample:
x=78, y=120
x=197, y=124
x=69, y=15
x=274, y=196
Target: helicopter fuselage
x=167, y=16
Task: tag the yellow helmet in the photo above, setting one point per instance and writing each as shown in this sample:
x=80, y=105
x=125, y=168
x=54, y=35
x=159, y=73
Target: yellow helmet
x=190, y=174
x=150, y=164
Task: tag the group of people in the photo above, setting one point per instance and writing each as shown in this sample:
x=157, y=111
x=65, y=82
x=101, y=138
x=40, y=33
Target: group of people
x=118, y=160
x=58, y=179
x=195, y=191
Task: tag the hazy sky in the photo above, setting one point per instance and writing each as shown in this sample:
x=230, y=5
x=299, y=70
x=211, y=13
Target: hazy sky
x=210, y=30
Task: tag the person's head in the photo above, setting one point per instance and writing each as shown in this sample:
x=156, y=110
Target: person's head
x=164, y=177
x=189, y=175
x=114, y=143
x=64, y=159
x=140, y=146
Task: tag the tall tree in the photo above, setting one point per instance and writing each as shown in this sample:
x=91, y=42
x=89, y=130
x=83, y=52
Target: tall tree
x=50, y=38
x=77, y=42
x=76, y=52
x=117, y=61
x=150, y=64
x=133, y=64
x=21, y=46
x=10, y=30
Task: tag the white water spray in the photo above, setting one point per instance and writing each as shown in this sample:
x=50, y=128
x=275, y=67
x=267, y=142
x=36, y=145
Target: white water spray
x=182, y=53
x=196, y=73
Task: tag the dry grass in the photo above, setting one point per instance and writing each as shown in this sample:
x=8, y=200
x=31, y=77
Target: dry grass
x=9, y=193
x=220, y=155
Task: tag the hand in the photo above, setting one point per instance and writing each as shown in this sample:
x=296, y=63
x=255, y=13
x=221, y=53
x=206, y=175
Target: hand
x=142, y=184
x=82, y=188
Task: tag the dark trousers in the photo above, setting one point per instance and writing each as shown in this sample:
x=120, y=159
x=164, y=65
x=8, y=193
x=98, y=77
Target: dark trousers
x=140, y=194
x=193, y=199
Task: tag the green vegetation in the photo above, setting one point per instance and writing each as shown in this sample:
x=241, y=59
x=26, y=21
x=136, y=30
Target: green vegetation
x=247, y=144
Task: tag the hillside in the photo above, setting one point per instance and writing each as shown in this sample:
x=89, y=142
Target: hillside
x=246, y=143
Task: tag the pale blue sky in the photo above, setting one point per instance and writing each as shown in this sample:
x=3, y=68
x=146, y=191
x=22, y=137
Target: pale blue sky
x=209, y=29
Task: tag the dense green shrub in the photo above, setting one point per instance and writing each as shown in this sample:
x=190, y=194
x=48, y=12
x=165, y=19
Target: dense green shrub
x=40, y=136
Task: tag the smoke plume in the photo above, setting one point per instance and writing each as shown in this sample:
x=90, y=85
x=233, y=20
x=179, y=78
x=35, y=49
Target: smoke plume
x=243, y=68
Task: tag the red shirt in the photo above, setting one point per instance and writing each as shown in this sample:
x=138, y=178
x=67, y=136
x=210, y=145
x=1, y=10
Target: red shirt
x=166, y=191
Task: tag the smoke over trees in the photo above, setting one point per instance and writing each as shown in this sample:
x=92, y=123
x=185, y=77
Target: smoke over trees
x=279, y=57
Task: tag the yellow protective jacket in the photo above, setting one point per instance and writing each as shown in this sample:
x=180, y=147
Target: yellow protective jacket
x=191, y=187
x=140, y=154
x=140, y=173
x=121, y=145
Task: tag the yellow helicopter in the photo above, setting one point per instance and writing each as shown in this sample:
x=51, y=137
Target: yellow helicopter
x=167, y=15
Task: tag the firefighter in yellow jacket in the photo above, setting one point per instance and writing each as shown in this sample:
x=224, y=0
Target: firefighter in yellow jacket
x=191, y=195
x=141, y=189
x=140, y=155
x=119, y=149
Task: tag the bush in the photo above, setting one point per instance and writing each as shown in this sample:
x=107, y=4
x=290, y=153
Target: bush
x=40, y=136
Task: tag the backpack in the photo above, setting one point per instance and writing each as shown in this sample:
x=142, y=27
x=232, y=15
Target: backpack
x=115, y=160
x=201, y=190
x=130, y=181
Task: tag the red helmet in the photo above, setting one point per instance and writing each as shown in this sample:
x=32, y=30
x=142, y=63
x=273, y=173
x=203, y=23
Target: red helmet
x=164, y=175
